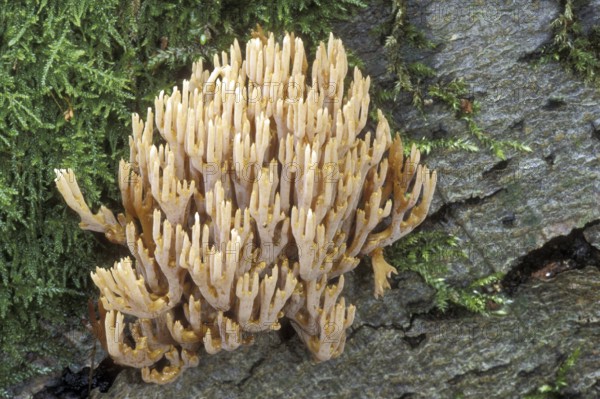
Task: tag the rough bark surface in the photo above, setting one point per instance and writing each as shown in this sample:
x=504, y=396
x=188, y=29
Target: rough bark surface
x=469, y=355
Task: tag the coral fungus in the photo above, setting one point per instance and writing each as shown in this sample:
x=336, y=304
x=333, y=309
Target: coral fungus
x=263, y=188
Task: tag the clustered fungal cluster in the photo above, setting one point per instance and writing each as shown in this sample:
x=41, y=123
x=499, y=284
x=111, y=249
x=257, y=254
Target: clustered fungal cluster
x=263, y=189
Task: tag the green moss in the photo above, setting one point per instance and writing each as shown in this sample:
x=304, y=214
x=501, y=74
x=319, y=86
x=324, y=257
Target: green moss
x=428, y=254
x=455, y=95
x=577, y=51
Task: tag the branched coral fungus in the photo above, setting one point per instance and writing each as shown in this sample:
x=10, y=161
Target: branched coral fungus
x=264, y=188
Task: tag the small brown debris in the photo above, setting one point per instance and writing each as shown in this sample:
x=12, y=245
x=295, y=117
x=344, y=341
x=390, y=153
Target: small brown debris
x=164, y=43
x=466, y=106
x=552, y=268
